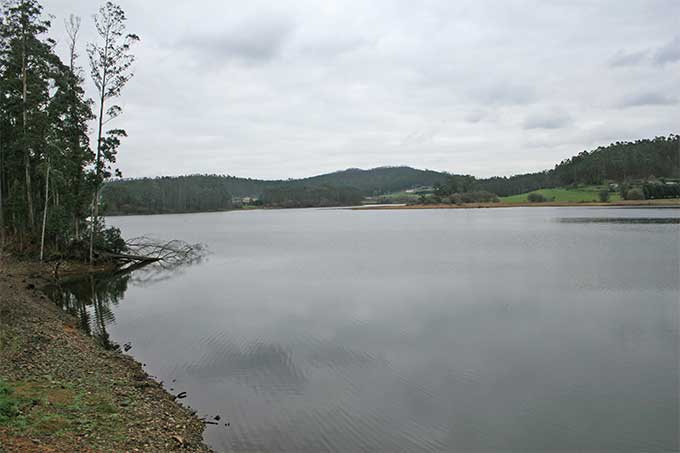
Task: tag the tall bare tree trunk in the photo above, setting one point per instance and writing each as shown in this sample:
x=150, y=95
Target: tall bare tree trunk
x=2, y=213
x=95, y=198
x=24, y=113
x=44, y=222
x=72, y=30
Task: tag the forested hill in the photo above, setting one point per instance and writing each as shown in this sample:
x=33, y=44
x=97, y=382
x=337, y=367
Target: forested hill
x=377, y=181
x=214, y=192
x=617, y=162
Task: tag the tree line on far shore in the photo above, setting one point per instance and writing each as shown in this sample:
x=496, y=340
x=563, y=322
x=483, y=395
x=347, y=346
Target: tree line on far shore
x=634, y=166
x=621, y=162
x=50, y=172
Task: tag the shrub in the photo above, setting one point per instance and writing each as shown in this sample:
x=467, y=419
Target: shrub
x=8, y=405
x=635, y=194
x=478, y=196
x=603, y=195
x=536, y=197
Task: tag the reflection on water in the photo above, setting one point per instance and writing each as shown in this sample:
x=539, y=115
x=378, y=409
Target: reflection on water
x=91, y=300
x=400, y=331
x=623, y=220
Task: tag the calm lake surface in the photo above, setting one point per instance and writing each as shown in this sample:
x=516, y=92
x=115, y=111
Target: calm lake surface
x=420, y=330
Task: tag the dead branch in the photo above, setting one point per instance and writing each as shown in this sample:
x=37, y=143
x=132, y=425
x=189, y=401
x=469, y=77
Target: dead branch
x=167, y=253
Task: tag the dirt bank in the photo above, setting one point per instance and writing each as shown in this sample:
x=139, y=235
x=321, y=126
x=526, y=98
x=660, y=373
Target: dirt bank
x=60, y=391
x=658, y=203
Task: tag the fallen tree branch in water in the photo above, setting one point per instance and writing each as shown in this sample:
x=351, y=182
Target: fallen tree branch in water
x=144, y=250
x=168, y=252
x=125, y=256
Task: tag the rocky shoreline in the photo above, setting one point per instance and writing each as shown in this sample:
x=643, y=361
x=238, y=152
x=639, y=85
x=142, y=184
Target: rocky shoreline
x=61, y=391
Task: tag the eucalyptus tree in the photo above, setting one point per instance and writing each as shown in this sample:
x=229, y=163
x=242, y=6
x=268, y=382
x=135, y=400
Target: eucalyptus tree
x=110, y=68
x=28, y=71
x=3, y=123
x=78, y=115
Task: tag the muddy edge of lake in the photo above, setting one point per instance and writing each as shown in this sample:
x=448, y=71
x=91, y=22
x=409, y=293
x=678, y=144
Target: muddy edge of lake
x=635, y=203
x=66, y=391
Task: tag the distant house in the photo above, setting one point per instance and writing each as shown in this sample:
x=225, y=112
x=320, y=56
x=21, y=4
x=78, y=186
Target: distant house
x=420, y=190
x=239, y=201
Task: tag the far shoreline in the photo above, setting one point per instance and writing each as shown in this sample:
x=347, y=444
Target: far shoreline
x=636, y=203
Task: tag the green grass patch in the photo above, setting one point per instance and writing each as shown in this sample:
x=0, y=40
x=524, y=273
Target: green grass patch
x=400, y=196
x=564, y=194
x=47, y=408
x=9, y=405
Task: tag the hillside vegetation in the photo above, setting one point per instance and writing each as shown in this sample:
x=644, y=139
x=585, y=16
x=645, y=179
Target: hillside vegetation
x=620, y=161
x=579, y=178
x=214, y=192
x=562, y=194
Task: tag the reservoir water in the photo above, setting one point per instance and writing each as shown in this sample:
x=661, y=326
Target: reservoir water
x=412, y=330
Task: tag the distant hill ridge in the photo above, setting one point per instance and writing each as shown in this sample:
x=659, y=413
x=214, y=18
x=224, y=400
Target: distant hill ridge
x=377, y=180
x=619, y=161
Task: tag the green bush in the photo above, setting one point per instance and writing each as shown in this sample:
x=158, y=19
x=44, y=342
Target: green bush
x=536, y=197
x=635, y=194
x=478, y=196
x=603, y=195
x=8, y=405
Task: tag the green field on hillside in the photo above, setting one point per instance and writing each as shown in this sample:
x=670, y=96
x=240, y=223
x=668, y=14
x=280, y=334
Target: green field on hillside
x=583, y=194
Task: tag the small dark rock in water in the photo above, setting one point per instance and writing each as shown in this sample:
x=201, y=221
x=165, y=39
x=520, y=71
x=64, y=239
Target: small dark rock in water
x=127, y=347
x=181, y=395
x=217, y=417
x=227, y=424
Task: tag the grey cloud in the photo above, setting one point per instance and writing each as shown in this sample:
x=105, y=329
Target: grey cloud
x=474, y=117
x=548, y=119
x=628, y=58
x=507, y=93
x=669, y=53
x=257, y=38
x=329, y=47
x=650, y=98
x=292, y=88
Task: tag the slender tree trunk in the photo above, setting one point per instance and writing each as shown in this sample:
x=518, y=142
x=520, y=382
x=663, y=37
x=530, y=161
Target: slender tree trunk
x=2, y=214
x=44, y=222
x=95, y=200
x=92, y=224
x=24, y=114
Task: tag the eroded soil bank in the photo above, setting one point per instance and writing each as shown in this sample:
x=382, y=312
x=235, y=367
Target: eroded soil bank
x=60, y=391
x=674, y=202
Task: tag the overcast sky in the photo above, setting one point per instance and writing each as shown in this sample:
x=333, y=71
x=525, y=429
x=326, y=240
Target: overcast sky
x=279, y=89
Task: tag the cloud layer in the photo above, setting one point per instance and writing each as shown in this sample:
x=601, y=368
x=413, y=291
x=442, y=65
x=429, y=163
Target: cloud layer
x=288, y=89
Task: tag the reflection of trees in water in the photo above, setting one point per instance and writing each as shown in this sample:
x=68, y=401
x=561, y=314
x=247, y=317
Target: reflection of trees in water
x=162, y=270
x=91, y=299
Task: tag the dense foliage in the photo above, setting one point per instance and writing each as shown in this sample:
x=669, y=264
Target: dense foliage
x=295, y=196
x=660, y=189
x=166, y=195
x=620, y=161
x=377, y=181
x=157, y=195
x=49, y=174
